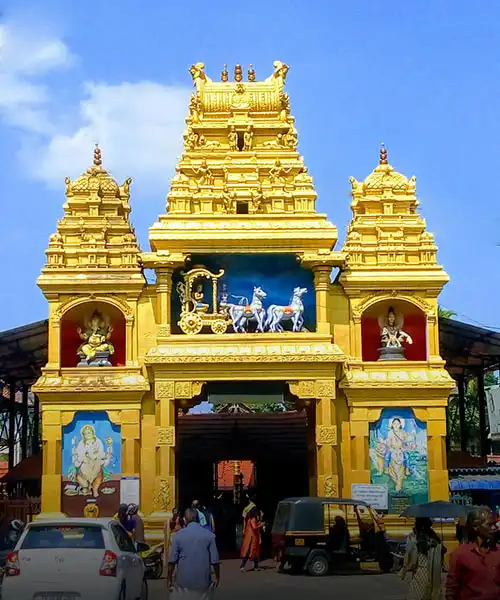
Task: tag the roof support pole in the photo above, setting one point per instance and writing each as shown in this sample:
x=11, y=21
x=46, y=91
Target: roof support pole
x=461, y=412
x=24, y=423
x=482, y=413
x=12, y=422
x=35, y=439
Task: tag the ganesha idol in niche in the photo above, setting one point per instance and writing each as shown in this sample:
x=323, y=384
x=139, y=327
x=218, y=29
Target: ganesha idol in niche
x=90, y=461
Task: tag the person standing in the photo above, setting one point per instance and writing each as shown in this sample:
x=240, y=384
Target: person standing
x=424, y=561
x=176, y=523
x=137, y=524
x=202, y=516
x=193, y=555
x=250, y=548
x=474, y=569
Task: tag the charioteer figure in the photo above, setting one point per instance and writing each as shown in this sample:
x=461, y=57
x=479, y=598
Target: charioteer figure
x=392, y=336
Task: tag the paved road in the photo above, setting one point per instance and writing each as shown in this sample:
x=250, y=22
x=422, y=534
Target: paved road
x=270, y=584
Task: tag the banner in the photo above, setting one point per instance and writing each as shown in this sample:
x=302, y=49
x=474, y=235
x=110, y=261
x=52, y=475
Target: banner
x=493, y=403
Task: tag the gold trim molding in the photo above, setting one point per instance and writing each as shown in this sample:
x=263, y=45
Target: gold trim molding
x=165, y=436
x=326, y=435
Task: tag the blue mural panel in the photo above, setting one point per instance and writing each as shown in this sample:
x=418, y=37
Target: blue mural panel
x=398, y=457
x=276, y=274
x=91, y=465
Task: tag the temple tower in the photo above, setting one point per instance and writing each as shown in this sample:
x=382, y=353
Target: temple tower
x=391, y=277
x=242, y=206
x=92, y=280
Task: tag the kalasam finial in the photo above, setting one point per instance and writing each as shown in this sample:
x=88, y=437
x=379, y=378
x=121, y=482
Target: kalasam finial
x=224, y=76
x=383, y=154
x=97, y=156
x=238, y=73
x=251, y=73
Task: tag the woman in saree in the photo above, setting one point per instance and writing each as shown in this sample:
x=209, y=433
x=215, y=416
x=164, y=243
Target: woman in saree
x=424, y=562
x=250, y=547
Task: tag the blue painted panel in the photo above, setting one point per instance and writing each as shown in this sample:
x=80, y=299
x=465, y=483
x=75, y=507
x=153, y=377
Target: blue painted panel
x=277, y=275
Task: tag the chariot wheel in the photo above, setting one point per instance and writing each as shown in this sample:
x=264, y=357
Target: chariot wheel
x=191, y=323
x=219, y=326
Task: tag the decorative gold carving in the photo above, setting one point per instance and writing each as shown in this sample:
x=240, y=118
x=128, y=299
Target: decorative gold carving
x=103, y=379
x=183, y=389
x=165, y=436
x=329, y=488
x=75, y=301
x=326, y=435
x=371, y=299
x=303, y=389
x=402, y=378
x=163, y=498
x=164, y=390
x=325, y=389
x=272, y=352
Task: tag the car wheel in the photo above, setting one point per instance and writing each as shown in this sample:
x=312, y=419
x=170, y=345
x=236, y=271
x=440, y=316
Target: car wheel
x=144, y=590
x=318, y=567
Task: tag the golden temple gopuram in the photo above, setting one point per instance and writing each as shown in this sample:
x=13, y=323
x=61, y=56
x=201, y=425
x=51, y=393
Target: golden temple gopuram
x=250, y=297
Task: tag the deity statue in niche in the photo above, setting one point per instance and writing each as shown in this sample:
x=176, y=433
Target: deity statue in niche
x=198, y=297
x=392, y=336
x=232, y=138
x=90, y=460
x=96, y=348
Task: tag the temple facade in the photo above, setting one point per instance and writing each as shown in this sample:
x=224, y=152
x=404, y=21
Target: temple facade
x=249, y=290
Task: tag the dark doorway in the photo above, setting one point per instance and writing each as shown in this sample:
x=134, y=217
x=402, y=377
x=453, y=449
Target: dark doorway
x=276, y=443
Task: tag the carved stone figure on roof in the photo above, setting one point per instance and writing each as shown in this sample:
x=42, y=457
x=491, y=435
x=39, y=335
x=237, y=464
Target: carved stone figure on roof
x=392, y=336
x=257, y=199
x=284, y=106
x=228, y=200
x=239, y=99
x=278, y=172
x=248, y=139
x=204, y=173
x=195, y=108
x=198, y=74
x=290, y=139
x=179, y=176
x=232, y=138
x=278, y=142
x=279, y=75
x=191, y=139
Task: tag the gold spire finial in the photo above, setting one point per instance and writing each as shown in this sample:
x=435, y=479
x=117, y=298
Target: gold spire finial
x=97, y=156
x=251, y=73
x=383, y=154
x=224, y=76
x=238, y=73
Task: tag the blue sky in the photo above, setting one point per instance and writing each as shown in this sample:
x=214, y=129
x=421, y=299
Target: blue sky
x=424, y=77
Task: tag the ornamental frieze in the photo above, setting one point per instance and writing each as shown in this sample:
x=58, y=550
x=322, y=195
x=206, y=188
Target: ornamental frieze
x=326, y=435
x=165, y=436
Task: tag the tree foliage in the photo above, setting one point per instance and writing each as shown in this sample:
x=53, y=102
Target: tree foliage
x=446, y=313
x=471, y=406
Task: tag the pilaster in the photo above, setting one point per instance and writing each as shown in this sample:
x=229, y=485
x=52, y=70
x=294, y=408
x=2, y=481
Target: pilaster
x=164, y=298
x=322, y=286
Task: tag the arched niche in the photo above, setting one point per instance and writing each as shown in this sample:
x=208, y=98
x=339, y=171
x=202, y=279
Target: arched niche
x=75, y=317
x=415, y=325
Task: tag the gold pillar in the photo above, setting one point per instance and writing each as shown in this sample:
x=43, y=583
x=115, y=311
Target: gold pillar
x=130, y=431
x=436, y=454
x=165, y=484
x=54, y=336
x=52, y=462
x=322, y=285
x=311, y=447
x=163, y=298
x=148, y=450
x=326, y=440
x=359, y=426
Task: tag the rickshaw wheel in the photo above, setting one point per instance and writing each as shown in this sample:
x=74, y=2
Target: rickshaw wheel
x=191, y=323
x=219, y=326
x=318, y=567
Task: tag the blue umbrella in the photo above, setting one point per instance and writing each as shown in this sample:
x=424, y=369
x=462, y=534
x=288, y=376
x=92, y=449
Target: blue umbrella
x=435, y=510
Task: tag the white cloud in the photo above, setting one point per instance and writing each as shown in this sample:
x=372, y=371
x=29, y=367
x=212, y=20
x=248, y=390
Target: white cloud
x=138, y=125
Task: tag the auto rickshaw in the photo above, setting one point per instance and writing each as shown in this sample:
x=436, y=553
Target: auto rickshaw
x=318, y=535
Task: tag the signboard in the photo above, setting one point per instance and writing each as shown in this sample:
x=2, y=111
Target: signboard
x=377, y=496
x=129, y=490
x=493, y=402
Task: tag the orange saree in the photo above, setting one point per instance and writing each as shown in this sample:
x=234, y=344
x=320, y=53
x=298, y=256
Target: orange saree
x=250, y=548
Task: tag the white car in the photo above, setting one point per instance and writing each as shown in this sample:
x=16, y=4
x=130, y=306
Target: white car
x=75, y=559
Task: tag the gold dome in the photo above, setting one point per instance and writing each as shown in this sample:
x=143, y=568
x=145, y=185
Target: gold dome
x=384, y=179
x=95, y=181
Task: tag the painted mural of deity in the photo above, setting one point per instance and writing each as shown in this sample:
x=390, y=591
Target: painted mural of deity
x=398, y=455
x=91, y=465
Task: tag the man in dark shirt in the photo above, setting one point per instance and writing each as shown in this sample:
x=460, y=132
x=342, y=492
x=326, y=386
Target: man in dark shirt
x=474, y=570
x=194, y=553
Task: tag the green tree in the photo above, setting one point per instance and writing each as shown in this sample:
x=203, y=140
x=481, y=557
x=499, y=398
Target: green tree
x=274, y=407
x=471, y=406
x=446, y=313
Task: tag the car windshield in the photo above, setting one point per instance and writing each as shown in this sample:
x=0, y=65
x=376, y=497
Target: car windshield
x=63, y=536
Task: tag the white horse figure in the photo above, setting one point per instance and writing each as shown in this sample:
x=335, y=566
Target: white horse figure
x=241, y=315
x=294, y=312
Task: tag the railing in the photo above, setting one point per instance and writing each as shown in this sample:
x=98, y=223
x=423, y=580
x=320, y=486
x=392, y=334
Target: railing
x=24, y=509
